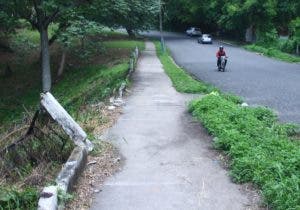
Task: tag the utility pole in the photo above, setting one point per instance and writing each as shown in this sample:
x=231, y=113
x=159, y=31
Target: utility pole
x=162, y=41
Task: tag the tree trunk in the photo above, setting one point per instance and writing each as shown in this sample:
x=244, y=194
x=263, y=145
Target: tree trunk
x=297, y=49
x=62, y=64
x=46, y=72
x=130, y=32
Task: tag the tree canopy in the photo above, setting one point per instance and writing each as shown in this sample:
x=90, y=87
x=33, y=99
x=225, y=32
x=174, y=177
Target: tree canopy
x=133, y=15
x=233, y=16
x=69, y=14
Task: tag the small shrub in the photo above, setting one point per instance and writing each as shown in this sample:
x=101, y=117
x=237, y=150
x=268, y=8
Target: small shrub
x=288, y=46
x=267, y=38
x=11, y=198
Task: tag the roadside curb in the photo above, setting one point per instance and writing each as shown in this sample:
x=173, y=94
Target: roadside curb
x=76, y=162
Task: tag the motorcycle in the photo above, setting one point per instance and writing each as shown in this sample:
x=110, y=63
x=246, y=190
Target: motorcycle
x=222, y=64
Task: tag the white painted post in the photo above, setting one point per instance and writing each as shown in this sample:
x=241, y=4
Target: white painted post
x=48, y=199
x=61, y=116
x=136, y=53
x=131, y=64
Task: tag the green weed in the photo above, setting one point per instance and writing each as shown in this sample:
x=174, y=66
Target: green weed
x=182, y=81
x=273, y=53
x=63, y=197
x=13, y=199
x=260, y=148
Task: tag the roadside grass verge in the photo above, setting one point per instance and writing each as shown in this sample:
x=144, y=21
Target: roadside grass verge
x=182, y=81
x=129, y=44
x=261, y=149
x=273, y=53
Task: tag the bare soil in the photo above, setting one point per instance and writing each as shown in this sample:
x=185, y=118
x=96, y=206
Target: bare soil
x=98, y=168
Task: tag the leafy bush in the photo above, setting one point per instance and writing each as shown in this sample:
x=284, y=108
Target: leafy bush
x=24, y=43
x=267, y=38
x=287, y=46
x=259, y=147
x=12, y=199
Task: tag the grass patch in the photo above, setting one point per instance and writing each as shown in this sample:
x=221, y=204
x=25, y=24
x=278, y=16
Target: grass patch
x=21, y=90
x=182, y=81
x=273, y=53
x=128, y=44
x=260, y=148
x=78, y=85
x=11, y=199
x=32, y=35
x=88, y=85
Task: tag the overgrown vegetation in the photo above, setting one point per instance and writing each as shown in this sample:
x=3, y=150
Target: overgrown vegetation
x=11, y=199
x=182, y=81
x=33, y=163
x=82, y=88
x=273, y=52
x=261, y=149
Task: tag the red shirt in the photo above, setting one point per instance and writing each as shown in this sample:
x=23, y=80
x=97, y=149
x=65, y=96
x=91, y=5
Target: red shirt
x=219, y=53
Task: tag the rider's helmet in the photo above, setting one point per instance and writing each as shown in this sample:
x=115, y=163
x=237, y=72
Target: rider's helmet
x=221, y=48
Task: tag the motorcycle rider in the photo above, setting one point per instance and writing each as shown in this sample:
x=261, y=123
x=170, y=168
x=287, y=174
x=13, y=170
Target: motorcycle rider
x=221, y=52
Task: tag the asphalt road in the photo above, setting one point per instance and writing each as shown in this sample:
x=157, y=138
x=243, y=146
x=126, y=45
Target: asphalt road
x=258, y=79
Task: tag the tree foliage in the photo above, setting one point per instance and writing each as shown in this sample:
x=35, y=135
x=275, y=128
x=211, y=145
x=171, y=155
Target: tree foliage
x=75, y=18
x=133, y=15
x=234, y=15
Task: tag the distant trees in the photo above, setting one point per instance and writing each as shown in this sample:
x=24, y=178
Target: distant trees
x=257, y=17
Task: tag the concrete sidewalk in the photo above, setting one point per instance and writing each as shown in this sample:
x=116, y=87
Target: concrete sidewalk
x=169, y=160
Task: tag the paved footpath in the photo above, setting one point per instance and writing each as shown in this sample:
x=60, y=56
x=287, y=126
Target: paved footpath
x=169, y=160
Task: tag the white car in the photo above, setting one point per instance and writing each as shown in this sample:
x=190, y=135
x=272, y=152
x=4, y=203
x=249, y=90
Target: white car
x=205, y=38
x=193, y=31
